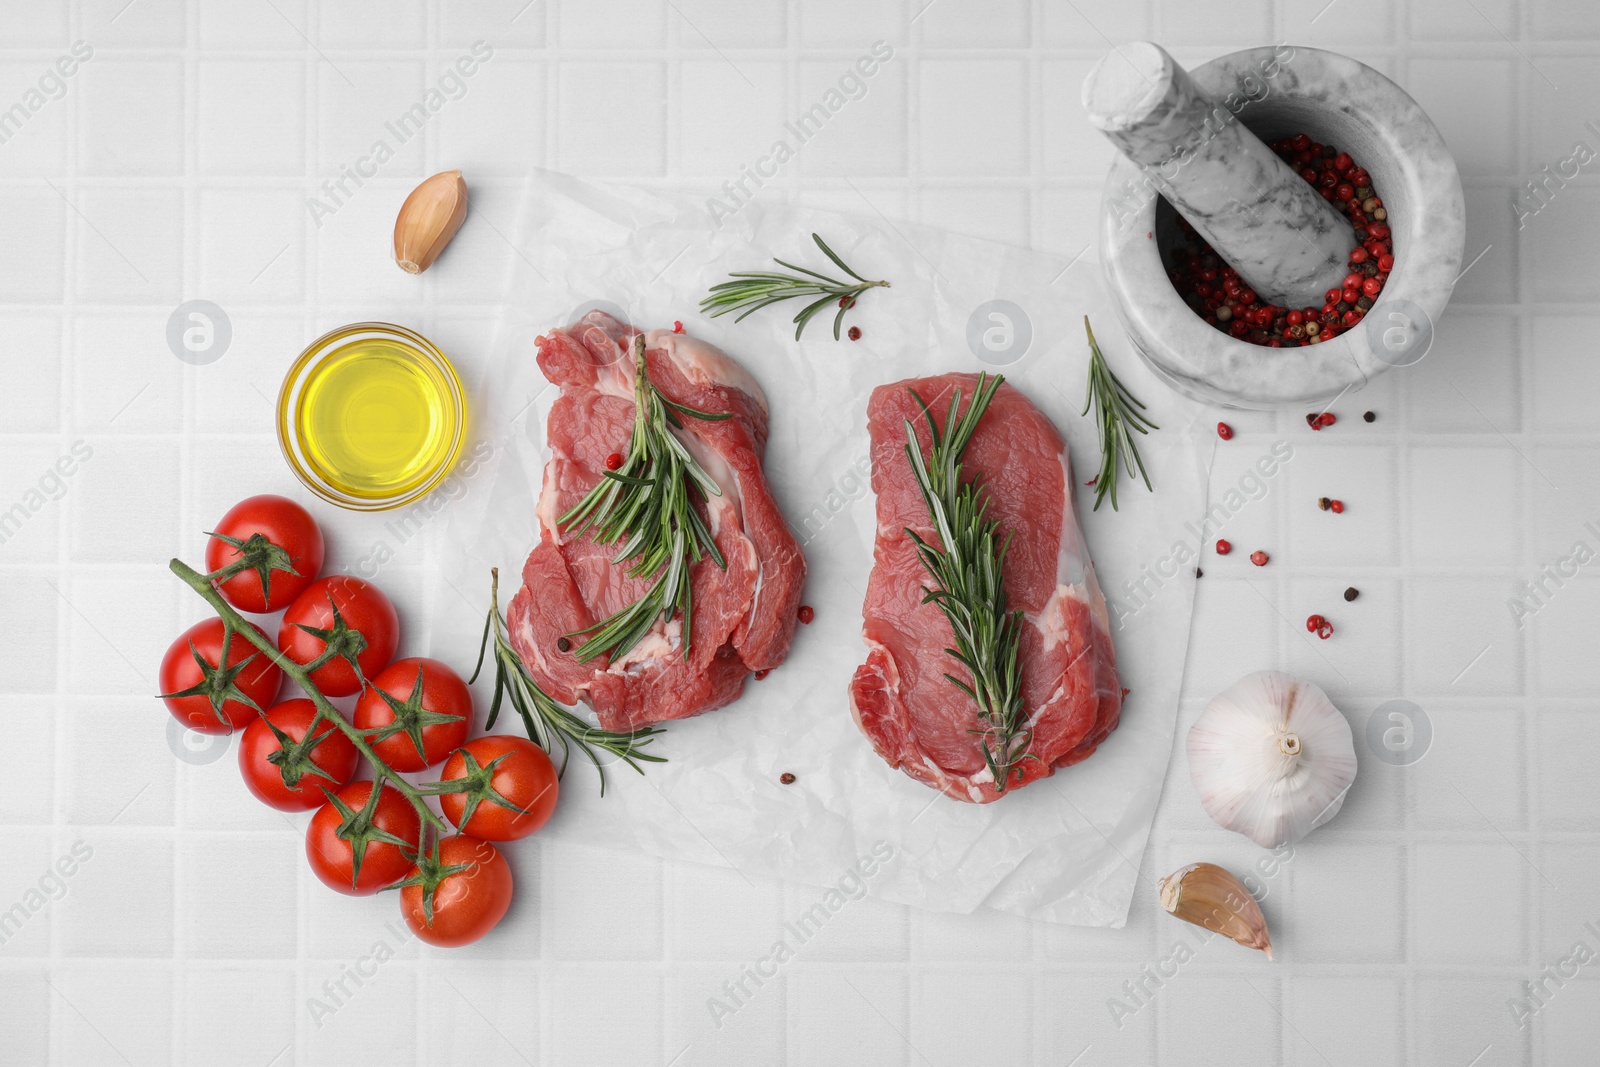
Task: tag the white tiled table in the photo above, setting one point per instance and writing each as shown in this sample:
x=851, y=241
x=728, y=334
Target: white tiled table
x=176, y=165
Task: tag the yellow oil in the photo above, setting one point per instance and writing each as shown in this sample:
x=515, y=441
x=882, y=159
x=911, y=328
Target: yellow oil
x=376, y=418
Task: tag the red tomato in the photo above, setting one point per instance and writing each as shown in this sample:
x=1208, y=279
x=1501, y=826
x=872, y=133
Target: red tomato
x=333, y=856
x=194, y=694
x=517, y=770
x=355, y=617
x=415, y=699
x=466, y=902
x=334, y=754
x=280, y=542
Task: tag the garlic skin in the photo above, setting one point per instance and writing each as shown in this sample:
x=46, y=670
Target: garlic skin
x=428, y=220
x=1211, y=897
x=1271, y=758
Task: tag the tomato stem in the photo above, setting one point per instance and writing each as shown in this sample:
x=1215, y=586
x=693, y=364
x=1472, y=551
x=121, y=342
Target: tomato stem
x=201, y=584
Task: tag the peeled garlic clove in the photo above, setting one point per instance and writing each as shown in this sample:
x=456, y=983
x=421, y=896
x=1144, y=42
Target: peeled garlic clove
x=1272, y=758
x=1208, y=896
x=428, y=220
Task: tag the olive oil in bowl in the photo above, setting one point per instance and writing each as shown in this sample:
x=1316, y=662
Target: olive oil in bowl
x=371, y=416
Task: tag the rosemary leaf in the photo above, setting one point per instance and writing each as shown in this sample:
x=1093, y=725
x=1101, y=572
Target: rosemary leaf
x=1117, y=413
x=750, y=291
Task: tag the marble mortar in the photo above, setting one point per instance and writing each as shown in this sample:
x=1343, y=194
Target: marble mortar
x=1277, y=91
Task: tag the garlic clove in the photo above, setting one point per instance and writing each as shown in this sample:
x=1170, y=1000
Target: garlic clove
x=1272, y=758
x=428, y=220
x=1209, y=896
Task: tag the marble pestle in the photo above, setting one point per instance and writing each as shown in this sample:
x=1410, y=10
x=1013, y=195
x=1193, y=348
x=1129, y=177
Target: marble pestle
x=1283, y=238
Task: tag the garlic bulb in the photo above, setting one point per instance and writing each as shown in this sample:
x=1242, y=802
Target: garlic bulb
x=1272, y=758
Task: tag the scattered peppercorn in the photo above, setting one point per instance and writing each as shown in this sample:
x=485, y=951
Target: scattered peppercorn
x=562, y=644
x=1224, y=431
x=1336, y=506
x=1370, y=416
x=1315, y=622
x=854, y=333
x=1198, y=573
x=1352, y=593
x=806, y=614
x=1259, y=558
x=613, y=461
x=1223, y=547
x=786, y=778
x=1324, y=503
x=762, y=674
x=677, y=327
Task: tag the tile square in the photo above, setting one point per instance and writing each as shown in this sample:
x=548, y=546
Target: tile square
x=244, y=24
x=354, y=251
x=633, y=140
x=1564, y=661
x=27, y=792
x=1361, y=23
x=861, y=1022
x=1483, y=927
x=1573, y=1026
x=102, y=1011
x=26, y=1029
x=373, y=118
x=262, y=261
x=340, y=929
x=161, y=24
x=497, y=23
x=453, y=1030
x=1491, y=235
x=1460, y=638
x=728, y=116
x=130, y=117
x=38, y=222
x=974, y=117
x=718, y=914
x=1444, y=20
x=1066, y=25
x=867, y=136
x=1347, y=905
x=39, y=26
x=847, y=23
x=1455, y=1019
x=1560, y=246
x=118, y=769
x=1451, y=528
x=32, y=369
x=1073, y=148
x=1563, y=770
x=733, y=23
x=1561, y=374
x=498, y=127
x=1476, y=112
x=617, y=23
x=362, y=1029
x=974, y=23
x=1253, y=1033
x=29, y=617
x=134, y=478
x=32, y=889
x=716, y=1024
x=1321, y=1007
x=125, y=647
x=92, y=920
x=1248, y=20
x=864, y=930
x=1090, y=1015
x=126, y=380
x=1221, y=655
x=404, y=25
x=252, y=117
x=942, y=937
x=592, y=1031
x=940, y=1023
x=1363, y=478
x=36, y=125
x=1471, y=381
x=1564, y=20
x=259, y=869
x=584, y=890
x=1475, y=776
x=1068, y=225
x=31, y=491
x=216, y=1032
x=238, y=393
x=129, y=245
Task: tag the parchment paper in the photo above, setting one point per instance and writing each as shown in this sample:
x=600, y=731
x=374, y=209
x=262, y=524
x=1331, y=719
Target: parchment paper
x=1064, y=849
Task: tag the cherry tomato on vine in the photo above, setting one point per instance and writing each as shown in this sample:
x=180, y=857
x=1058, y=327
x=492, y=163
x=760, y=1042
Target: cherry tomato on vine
x=421, y=710
x=210, y=697
x=349, y=615
x=457, y=894
x=266, y=762
x=276, y=547
x=358, y=845
x=503, y=788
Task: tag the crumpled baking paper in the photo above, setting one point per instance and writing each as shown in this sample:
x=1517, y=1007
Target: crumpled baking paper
x=1065, y=849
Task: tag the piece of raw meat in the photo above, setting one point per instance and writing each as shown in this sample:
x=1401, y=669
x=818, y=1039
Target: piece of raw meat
x=914, y=716
x=743, y=617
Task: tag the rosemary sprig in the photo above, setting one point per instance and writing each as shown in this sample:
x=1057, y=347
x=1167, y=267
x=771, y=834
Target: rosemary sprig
x=648, y=504
x=1116, y=411
x=549, y=724
x=969, y=589
x=754, y=290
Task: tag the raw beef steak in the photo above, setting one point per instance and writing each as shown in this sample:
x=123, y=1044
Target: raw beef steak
x=743, y=617
x=914, y=716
